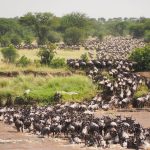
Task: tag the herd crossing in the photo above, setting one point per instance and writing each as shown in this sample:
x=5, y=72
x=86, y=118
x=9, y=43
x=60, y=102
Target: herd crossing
x=117, y=84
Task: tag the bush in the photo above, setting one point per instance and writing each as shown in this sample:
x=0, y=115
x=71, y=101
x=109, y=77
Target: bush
x=147, y=36
x=4, y=41
x=58, y=63
x=28, y=40
x=142, y=57
x=23, y=61
x=137, y=30
x=47, y=53
x=84, y=57
x=73, y=36
x=10, y=54
x=141, y=91
x=15, y=40
x=100, y=35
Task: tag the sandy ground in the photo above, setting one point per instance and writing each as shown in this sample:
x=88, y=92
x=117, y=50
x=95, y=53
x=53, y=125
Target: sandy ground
x=10, y=139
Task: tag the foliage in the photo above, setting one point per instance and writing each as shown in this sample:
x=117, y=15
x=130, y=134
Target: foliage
x=137, y=30
x=58, y=63
x=141, y=91
x=4, y=41
x=147, y=36
x=84, y=57
x=9, y=54
x=54, y=37
x=46, y=27
x=28, y=40
x=46, y=54
x=23, y=61
x=142, y=57
x=73, y=36
x=16, y=39
x=100, y=35
x=77, y=20
x=44, y=88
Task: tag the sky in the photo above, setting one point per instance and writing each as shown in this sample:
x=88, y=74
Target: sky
x=92, y=8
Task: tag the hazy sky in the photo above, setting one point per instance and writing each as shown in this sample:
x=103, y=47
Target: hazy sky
x=93, y=8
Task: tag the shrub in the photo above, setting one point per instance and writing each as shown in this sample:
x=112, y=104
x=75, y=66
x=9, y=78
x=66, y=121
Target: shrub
x=23, y=61
x=100, y=35
x=147, y=36
x=16, y=40
x=28, y=40
x=142, y=57
x=37, y=63
x=141, y=91
x=84, y=57
x=58, y=63
x=9, y=54
x=47, y=53
x=4, y=41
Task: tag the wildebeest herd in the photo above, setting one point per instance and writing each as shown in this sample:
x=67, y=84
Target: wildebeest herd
x=76, y=122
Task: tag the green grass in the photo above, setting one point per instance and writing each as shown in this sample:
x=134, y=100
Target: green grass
x=44, y=88
x=141, y=91
x=106, y=73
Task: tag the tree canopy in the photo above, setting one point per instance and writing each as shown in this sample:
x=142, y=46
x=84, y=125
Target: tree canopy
x=46, y=27
x=142, y=57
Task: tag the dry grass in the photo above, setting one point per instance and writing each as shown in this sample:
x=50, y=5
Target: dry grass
x=32, y=55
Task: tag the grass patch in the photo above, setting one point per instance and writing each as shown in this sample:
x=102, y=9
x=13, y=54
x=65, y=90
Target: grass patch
x=141, y=91
x=106, y=74
x=44, y=88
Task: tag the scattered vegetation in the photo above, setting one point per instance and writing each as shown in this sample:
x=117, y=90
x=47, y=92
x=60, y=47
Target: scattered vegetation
x=84, y=57
x=141, y=91
x=23, y=61
x=46, y=54
x=58, y=63
x=142, y=57
x=9, y=54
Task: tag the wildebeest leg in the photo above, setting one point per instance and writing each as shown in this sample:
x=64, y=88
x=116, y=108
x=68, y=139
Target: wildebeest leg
x=22, y=128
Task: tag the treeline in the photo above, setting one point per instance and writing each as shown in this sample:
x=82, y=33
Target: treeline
x=73, y=28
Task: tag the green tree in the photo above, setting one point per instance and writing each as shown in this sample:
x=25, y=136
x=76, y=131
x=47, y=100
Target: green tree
x=46, y=54
x=73, y=35
x=77, y=20
x=16, y=39
x=137, y=30
x=9, y=54
x=28, y=40
x=142, y=57
x=40, y=24
x=147, y=36
x=120, y=28
x=54, y=37
x=4, y=41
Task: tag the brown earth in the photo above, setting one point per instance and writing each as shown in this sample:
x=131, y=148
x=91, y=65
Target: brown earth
x=10, y=139
x=144, y=74
x=35, y=73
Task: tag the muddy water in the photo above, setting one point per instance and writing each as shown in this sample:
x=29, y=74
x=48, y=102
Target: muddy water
x=12, y=140
x=141, y=117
